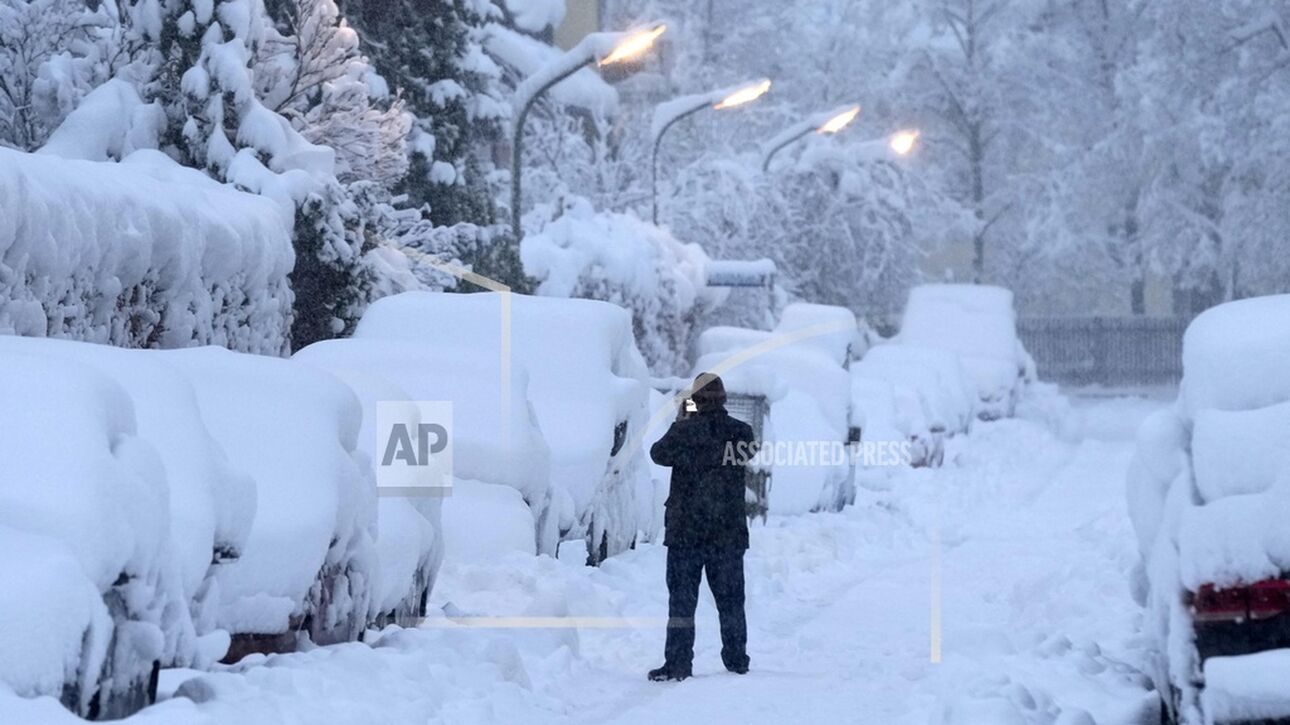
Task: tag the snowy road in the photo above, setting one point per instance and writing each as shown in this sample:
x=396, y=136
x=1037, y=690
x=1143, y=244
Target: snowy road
x=1037, y=622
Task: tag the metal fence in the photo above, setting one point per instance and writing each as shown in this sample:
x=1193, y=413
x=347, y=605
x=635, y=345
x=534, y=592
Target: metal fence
x=1106, y=350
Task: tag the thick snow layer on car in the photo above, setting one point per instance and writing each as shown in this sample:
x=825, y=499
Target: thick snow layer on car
x=142, y=253
x=211, y=504
x=939, y=375
x=495, y=433
x=75, y=469
x=832, y=329
x=1247, y=688
x=1237, y=452
x=54, y=627
x=294, y=430
x=409, y=534
x=978, y=323
x=1235, y=356
x=585, y=377
x=1236, y=540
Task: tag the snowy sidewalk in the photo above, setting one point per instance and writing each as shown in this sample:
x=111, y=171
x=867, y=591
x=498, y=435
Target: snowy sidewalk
x=1037, y=622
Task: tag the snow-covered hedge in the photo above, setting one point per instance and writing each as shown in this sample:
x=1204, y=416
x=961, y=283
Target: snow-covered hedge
x=585, y=377
x=142, y=253
x=620, y=259
x=1210, y=481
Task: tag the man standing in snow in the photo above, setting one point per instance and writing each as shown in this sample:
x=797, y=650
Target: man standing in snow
x=707, y=528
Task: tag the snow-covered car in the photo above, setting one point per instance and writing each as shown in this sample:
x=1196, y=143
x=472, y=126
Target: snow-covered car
x=948, y=393
x=90, y=598
x=579, y=373
x=979, y=324
x=885, y=411
x=834, y=330
x=809, y=392
x=308, y=560
x=409, y=542
x=1209, y=492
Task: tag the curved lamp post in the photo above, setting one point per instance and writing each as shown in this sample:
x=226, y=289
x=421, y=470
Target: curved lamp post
x=822, y=123
x=668, y=114
x=600, y=48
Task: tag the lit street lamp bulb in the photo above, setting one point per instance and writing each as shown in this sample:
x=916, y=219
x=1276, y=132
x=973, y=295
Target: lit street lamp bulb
x=840, y=121
x=744, y=95
x=903, y=142
x=634, y=45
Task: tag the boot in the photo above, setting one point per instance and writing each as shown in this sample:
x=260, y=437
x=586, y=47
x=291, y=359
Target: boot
x=666, y=674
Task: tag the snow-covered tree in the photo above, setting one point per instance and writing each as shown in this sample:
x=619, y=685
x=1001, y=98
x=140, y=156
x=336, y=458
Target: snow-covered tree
x=51, y=54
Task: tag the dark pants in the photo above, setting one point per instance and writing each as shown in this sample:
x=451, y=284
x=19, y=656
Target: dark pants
x=725, y=568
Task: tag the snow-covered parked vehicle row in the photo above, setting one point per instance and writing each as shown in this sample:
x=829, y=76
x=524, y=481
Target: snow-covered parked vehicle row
x=183, y=507
x=1209, y=493
x=583, y=383
x=977, y=323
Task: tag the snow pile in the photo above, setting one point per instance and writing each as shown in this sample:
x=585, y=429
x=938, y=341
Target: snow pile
x=294, y=430
x=620, y=259
x=978, y=323
x=811, y=408
x=1210, y=481
x=92, y=495
x=142, y=253
x=585, y=378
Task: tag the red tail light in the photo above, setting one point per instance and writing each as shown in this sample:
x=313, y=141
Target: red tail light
x=1269, y=598
x=1258, y=601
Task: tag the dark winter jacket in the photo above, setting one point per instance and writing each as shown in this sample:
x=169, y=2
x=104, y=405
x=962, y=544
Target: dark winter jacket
x=705, y=507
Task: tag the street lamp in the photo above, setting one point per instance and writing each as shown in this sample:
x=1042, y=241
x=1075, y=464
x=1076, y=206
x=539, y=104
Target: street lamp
x=902, y=142
x=823, y=123
x=666, y=115
x=600, y=48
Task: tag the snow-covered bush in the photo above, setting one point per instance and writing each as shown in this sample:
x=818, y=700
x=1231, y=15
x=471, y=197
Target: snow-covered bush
x=92, y=494
x=308, y=560
x=141, y=253
x=620, y=259
x=1207, y=489
x=978, y=323
x=586, y=382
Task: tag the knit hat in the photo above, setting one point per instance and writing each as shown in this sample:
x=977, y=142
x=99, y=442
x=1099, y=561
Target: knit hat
x=709, y=391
